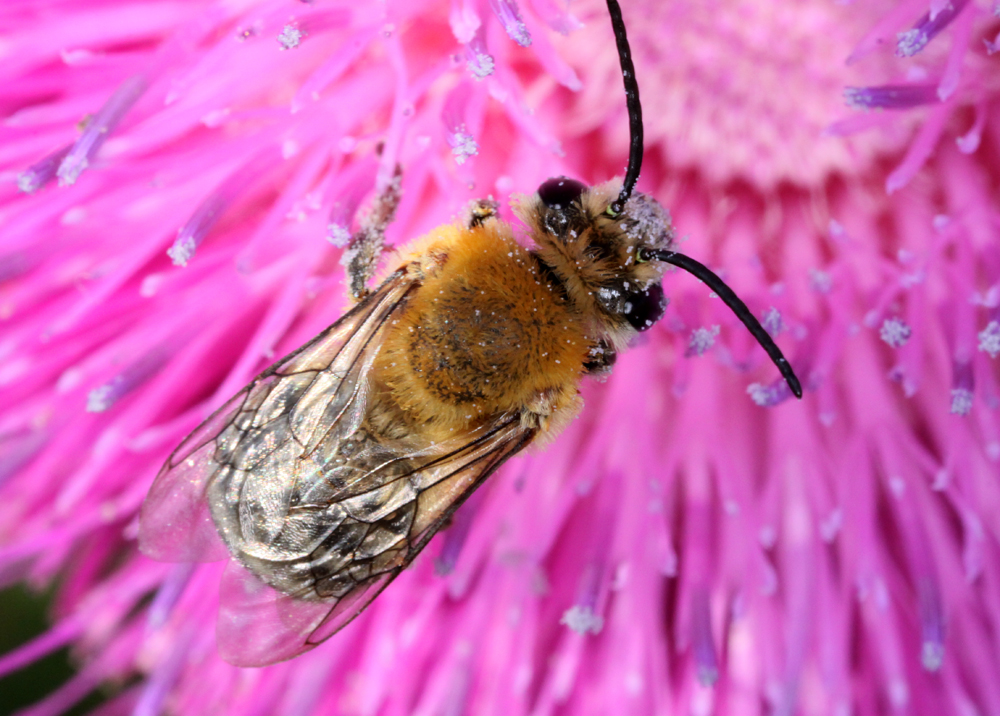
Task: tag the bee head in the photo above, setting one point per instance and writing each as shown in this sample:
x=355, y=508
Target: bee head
x=595, y=254
x=607, y=245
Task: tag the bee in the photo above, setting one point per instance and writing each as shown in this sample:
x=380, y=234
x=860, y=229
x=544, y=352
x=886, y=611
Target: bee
x=329, y=473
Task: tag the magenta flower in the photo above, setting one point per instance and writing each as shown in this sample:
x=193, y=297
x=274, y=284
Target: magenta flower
x=180, y=179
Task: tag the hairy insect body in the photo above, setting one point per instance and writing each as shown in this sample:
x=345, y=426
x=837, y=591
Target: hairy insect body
x=338, y=467
x=486, y=333
x=332, y=470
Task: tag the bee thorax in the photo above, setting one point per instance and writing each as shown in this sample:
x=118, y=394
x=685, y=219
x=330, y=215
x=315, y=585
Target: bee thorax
x=486, y=333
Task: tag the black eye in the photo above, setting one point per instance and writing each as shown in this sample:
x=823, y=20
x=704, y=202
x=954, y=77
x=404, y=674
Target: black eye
x=560, y=192
x=646, y=307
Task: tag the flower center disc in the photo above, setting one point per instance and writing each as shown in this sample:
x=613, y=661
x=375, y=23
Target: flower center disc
x=735, y=89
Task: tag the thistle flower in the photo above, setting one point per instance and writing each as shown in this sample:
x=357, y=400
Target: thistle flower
x=695, y=541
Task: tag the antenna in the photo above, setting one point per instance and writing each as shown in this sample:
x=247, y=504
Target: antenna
x=634, y=109
x=730, y=298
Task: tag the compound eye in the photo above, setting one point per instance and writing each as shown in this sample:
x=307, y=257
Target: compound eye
x=560, y=192
x=646, y=307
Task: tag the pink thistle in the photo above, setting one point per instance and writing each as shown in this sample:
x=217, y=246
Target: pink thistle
x=178, y=182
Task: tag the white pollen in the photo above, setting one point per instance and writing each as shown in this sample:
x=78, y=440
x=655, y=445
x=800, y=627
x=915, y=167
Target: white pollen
x=961, y=401
x=481, y=66
x=702, y=339
x=895, y=332
x=99, y=399
x=463, y=146
x=582, y=620
x=932, y=655
x=182, y=251
x=290, y=37
x=759, y=394
x=989, y=339
x=338, y=235
x=773, y=323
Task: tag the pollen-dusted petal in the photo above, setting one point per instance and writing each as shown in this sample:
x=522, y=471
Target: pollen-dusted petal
x=510, y=17
x=891, y=96
x=98, y=128
x=927, y=28
x=41, y=172
x=478, y=61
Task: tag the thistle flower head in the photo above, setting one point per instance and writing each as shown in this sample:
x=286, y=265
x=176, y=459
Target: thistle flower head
x=180, y=180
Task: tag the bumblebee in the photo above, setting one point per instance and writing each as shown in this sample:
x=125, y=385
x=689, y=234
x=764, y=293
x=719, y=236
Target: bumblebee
x=331, y=471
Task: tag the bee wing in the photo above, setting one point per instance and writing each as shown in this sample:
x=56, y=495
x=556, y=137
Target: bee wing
x=259, y=625
x=175, y=522
x=318, y=512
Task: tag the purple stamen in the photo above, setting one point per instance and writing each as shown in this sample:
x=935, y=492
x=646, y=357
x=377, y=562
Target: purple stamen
x=773, y=322
x=194, y=231
x=767, y=396
x=992, y=47
x=962, y=385
x=162, y=679
x=510, y=17
x=104, y=396
x=891, y=96
x=702, y=644
x=455, y=536
x=190, y=236
x=463, y=144
x=927, y=28
x=41, y=172
x=100, y=127
x=168, y=594
x=479, y=62
x=583, y=616
x=931, y=626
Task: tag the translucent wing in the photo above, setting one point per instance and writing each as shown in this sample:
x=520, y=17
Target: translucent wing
x=319, y=509
x=391, y=515
x=175, y=523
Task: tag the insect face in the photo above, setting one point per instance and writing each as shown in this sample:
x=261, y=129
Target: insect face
x=596, y=255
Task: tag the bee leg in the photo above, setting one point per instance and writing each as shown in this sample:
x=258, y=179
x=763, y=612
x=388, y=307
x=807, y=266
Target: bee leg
x=363, y=252
x=600, y=359
x=479, y=211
